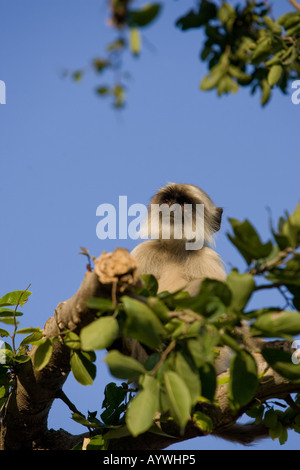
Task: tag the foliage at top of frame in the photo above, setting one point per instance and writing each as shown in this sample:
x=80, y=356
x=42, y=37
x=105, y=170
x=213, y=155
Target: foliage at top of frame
x=243, y=46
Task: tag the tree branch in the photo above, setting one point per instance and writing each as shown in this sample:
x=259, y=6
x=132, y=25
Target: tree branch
x=26, y=411
x=295, y=4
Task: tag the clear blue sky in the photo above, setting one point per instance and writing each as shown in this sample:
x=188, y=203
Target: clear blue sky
x=64, y=151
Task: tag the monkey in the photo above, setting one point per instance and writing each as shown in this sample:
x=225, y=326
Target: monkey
x=168, y=259
x=181, y=262
x=184, y=258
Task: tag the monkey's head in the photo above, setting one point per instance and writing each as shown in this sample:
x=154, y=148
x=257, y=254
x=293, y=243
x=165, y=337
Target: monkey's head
x=185, y=212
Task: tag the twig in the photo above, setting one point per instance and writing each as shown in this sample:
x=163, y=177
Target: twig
x=15, y=321
x=295, y=4
x=164, y=356
x=273, y=262
x=292, y=404
x=60, y=394
x=268, y=286
x=279, y=286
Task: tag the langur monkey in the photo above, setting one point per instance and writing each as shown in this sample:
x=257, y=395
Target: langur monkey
x=176, y=267
x=168, y=258
x=182, y=261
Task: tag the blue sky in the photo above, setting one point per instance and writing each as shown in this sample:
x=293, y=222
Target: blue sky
x=64, y=151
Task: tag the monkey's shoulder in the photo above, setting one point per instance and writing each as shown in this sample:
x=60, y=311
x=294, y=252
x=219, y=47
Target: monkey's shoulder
x=150, y=257
x=205, y=263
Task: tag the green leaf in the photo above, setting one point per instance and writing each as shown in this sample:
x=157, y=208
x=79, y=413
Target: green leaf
x=207, y=11
x=113, y=403
x=15, y=298
x=103, y=91
x=290, y=227
x=243, y=379
x=203, y=422
x=7, y=312
x=141, y=323
x=178, y=397
x=21, y=358
x=150, y=284
x=159, y=308
x=142, y=409
x=113, y=395
x=123, y=367
x=25, y=331
x=274, y=74
x=294, y=29
x=3, y=333
x=102, y=305
x=216, y=290
x=212, y=79
x=283, y=436
x=43, y=354
x=208, y=380
x=2, y=391
x=266, y=92
x=281, y=362
x=271, y=418
x=241, y=286
x=77, y=76
x=227, y=16
x=82, y=368
x=227, y=85
x=276, y=431
x=289, y=19
x=274, y=26
x=72, y=340
x=202, y=347
x=32, y=338
x=242, y=77
x=117, y=432
x=175, y=328
x=97, y=443
x=144, y=16
x=8, y=321
x=267, y=46
x=100, y=64
x=78, y=418
x=295, y=217
x=279, y=324
x=247, y=241
x=187, y=371
x=99, y=334
x=135, y=41
x=257, y=412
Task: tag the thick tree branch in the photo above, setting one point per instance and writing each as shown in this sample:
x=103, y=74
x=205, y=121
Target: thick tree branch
x=26, y=412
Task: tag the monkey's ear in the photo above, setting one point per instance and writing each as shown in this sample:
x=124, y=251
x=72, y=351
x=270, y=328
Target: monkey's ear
x=218, y=218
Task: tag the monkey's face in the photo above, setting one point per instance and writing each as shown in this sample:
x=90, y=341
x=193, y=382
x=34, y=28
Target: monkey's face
x=183, y=212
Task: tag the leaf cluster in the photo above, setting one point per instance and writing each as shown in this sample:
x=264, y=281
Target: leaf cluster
x=184, y=335
x=245, y=47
